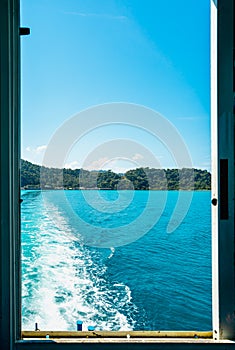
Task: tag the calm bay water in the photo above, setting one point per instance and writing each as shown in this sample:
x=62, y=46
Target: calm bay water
x=160, y=281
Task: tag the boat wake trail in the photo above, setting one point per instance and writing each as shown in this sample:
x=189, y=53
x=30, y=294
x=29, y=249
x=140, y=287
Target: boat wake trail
x=64, y=281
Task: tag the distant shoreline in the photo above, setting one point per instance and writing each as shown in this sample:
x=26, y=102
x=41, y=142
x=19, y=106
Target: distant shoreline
x=35, y=177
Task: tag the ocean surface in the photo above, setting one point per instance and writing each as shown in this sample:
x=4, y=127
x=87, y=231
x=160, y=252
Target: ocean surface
x=75, y=266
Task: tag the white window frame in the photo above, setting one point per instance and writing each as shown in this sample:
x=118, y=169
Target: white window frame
x=223, y=249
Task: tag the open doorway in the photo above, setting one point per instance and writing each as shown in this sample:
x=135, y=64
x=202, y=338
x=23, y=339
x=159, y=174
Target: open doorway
x=153, y=57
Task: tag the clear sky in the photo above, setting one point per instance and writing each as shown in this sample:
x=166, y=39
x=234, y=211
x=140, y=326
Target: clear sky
x=82, y=53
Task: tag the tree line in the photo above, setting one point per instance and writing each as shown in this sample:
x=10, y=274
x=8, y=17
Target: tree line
x=36, y=177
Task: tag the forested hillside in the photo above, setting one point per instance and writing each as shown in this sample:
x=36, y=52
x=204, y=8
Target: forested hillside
x=138, y=179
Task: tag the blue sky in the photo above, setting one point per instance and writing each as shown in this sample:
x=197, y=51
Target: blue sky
x=83, y=53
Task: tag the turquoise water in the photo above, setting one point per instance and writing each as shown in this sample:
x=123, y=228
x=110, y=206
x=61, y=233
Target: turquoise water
x=158, y=281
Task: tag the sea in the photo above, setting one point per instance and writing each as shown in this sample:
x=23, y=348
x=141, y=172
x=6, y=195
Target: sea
x=108, y=259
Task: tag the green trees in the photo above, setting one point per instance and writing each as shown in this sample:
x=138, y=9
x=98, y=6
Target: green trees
x=30, y=174
x=137, y=179
x=202, y=179
x=108, y=180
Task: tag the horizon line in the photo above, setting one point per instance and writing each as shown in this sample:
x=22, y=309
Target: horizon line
x=99, y=170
